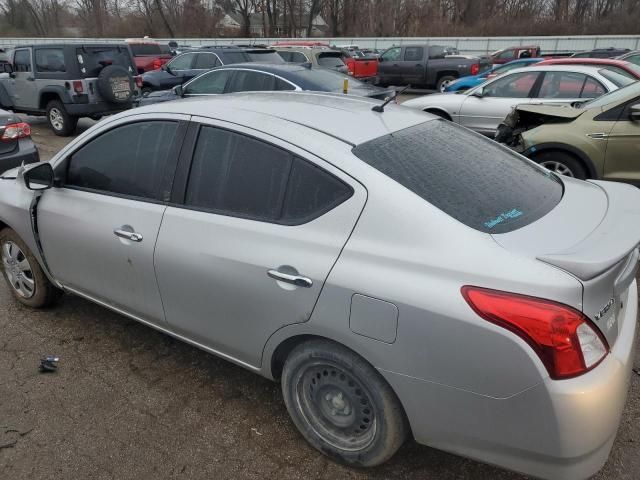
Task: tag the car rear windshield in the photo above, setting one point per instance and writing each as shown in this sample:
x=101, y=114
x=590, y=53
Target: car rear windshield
x=326, y=80
x=616, y=78
x=139, y=49
x=265, y=56
x=93, y=59
x=467, y=176
x=330, y=59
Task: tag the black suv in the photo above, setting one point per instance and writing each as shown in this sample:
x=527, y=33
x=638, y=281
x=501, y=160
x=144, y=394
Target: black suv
x=69, y=81
x=192, y=63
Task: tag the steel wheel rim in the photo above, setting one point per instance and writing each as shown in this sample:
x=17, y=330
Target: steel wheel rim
x=18, y=270
x=336, y=406
x=56, y=119
x=557, y=167
x=444, y=85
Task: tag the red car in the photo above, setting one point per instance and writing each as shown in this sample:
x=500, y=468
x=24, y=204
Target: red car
x=622, y=67
x=363, y=68
x=148, y=54
x=513, y=53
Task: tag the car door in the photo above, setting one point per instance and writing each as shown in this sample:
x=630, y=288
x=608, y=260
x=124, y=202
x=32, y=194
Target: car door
x=98, y=229
x=622, y=157
x=567, y=87
x=250, y=239
x=23, y=81
x=388, y=68
x=487, y=105
x=178, y=70
x=412, y=66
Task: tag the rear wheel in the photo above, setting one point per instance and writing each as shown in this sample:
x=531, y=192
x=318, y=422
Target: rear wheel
x=444, y=82
x=23, y=274
x=562, y=163
x=59, y=120
x=341, y=405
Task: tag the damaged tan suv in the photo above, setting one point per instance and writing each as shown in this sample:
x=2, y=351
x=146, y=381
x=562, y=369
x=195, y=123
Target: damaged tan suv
x=596, y=139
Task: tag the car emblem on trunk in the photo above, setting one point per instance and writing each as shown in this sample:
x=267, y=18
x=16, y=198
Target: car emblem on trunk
x=605, y=309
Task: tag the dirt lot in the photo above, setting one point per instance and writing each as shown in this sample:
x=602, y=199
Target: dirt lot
x=129, y=402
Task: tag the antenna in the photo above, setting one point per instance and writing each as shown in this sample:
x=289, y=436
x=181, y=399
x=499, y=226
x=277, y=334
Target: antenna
x=380, y=108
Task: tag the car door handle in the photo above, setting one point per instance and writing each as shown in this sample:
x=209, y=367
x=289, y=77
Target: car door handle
x=598, y=135
x=297, y=280
x=133, y=236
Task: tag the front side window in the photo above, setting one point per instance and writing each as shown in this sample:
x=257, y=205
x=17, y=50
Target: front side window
x=128, y=160
x=391, y=55
x=22, y=61
x=236, y=175
x=413, y=54
x=472, y=179
x=182, y=62
x=211, y=83
x=506, y=55
x=248, y=81
x=205, y=61
x=50, y=60
x=517, y=85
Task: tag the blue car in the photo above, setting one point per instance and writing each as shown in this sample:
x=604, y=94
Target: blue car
x=465, y=83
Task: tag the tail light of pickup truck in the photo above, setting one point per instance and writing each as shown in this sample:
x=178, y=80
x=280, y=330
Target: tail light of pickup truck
x=138, y=80
x=14, y=131
x=157, y=63
x=475, y=69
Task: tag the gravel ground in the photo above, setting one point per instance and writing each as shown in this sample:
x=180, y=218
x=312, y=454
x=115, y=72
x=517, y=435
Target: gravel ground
x=130, y=402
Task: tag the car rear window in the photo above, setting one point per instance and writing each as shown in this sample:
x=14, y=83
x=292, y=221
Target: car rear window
x=616, y=78
x=326, y=80
x=94, y=59
x=469, y=177
x=330, y=59
x=145, y=49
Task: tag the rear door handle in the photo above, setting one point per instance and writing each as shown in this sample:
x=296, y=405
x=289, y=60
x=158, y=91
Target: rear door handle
x=598, y=135
x=133, y=236
x=297, y=280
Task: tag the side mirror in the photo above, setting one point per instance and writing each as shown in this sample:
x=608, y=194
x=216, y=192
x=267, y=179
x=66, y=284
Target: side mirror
x=39, y=176
x=478, y=92
x=635, y=112
x=178, y=90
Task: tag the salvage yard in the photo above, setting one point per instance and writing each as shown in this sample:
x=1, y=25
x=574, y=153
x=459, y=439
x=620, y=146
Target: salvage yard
x=130, y=402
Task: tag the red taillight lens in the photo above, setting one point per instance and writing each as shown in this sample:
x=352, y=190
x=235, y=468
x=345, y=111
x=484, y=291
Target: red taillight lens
x=13, y=131
x=157, y=63
x=138, y=81
x=565, y=340
x=77, y=86
x=475, y=68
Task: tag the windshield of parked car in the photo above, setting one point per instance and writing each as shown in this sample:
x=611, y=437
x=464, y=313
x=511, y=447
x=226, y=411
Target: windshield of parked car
x=469, y=177
x=616, y=78
x=93, y=59
x=625, y=93
x=326, y=80
x=140, y=49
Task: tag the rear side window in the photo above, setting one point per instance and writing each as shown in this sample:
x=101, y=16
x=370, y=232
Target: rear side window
x=206, y=61
x=236, y=175
x=93, y=59
x=294, y=57
x=562, y=85
x=413, y=54
x=50, y=60
x=235, y=57
x=281, y=85
x=249, y=81
x=471, y=178
x=22, y=61
x=128, y=160
x=266, y=56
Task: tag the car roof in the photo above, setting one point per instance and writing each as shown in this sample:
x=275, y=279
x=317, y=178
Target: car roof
x=71, y=45
x=349, y=119
x=560, y=68
x=585, y=61
x=277, y=68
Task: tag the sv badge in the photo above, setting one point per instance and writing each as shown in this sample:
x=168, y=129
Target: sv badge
x=605, y=309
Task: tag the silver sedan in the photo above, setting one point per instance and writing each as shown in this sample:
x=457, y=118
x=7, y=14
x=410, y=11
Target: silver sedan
x=484, y=107
x=398, y=274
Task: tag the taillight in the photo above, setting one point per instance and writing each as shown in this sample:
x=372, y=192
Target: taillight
x=157, y=63
x=475, y=68
x=13, y=131
x=138, y=79
x=565, y=340
x=77, y=86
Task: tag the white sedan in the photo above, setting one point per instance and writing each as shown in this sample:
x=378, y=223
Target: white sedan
x=484, y=107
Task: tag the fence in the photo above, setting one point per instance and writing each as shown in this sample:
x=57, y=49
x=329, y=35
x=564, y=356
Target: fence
x=468, y=45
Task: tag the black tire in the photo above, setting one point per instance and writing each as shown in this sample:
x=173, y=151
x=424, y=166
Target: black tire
x=562, y=163
x=146, y=89
x=43, y=293
x=439, y=113
x=342, y=405
x=443, y=82
x=59, y=120
x=116, y=85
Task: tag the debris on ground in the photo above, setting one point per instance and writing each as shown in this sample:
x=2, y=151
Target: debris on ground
x=49, y=363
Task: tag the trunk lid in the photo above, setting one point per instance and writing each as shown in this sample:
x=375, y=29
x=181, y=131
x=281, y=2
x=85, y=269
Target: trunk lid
x=593, y=234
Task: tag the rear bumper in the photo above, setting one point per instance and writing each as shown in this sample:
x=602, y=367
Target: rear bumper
x=85, y=110
x=554, y=430
x=25, y=153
